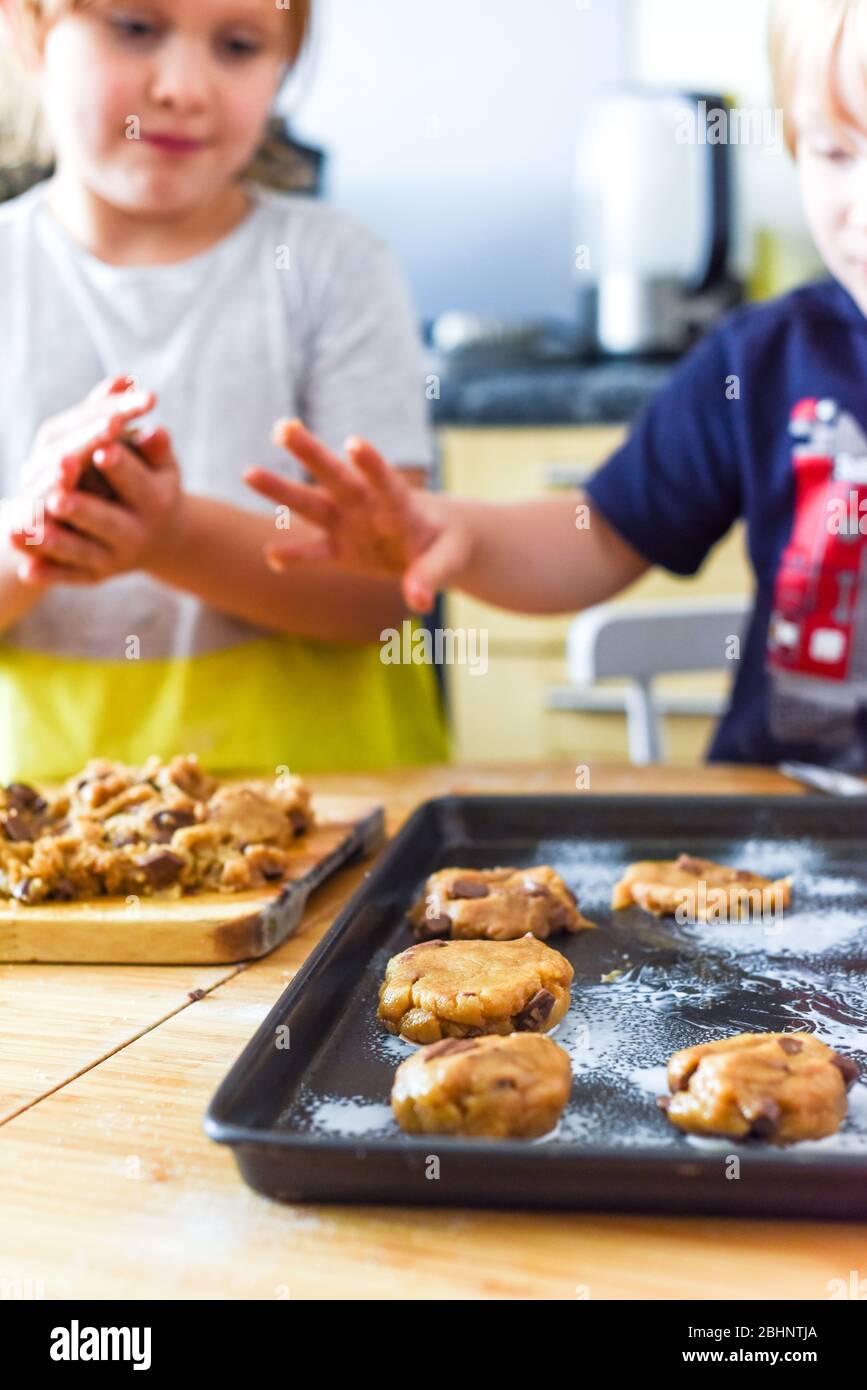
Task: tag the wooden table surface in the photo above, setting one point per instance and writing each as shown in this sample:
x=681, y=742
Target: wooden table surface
x=109, y=1188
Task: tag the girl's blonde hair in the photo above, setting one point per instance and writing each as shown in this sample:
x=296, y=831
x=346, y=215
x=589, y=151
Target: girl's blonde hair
x=23, y=139
x=819, y=27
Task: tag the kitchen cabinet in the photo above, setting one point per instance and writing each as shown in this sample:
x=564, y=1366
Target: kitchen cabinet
x=504, y=713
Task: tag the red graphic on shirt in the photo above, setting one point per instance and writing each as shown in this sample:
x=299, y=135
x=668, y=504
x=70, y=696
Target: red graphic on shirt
x=814, y=644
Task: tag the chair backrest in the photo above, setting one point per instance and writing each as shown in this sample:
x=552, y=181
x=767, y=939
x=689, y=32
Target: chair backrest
x=640, y=641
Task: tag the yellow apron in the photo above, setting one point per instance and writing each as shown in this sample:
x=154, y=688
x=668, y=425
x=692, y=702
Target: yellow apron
x=271, y=703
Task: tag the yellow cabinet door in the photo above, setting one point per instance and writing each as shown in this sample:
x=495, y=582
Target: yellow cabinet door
x=504, y=713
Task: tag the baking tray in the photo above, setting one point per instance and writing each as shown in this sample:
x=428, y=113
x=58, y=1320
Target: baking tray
x=305, y=1108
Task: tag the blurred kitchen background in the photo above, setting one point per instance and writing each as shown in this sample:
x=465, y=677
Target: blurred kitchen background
x=565, y=243
x=562, y=256
x=452, y=129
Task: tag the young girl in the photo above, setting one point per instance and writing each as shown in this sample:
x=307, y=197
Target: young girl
x=765, y=420
x=149, y=274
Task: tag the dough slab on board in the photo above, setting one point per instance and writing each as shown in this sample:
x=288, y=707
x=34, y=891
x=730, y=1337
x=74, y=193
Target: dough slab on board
x=207, y=928
x=117, y=830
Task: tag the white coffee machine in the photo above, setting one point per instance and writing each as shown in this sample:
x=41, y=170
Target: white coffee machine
x=653, y=220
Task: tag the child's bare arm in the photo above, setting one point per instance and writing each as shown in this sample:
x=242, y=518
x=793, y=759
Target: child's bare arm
x=546, y=555
x=217, y=552
x=16, y=597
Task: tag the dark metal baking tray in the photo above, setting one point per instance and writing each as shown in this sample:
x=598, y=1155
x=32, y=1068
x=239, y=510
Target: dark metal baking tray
x=310, y=1121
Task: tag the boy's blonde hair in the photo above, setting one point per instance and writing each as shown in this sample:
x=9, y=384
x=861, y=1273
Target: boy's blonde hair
x=819, y=27
x=22, y=133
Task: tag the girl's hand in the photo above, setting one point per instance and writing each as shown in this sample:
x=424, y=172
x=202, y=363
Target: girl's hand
x=61, y=452
x=64, y=443
x=87, y=538
x=369, y=518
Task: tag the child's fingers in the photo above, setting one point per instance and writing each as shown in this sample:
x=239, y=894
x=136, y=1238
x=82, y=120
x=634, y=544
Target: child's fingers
x=22, y=540
x=64, y=547
x=120, y=395
x=344, y=485
x=281, y=557
x=270, y=484
x=432, y=570
x=102, y=521
x=36, y=571
x=307, y=501
x=79, y=445
x=107, y=413
x=129, y=477
x=375, y=469
x=156, y=446
x=122, y=410
x=112, y=385
x=59, y=426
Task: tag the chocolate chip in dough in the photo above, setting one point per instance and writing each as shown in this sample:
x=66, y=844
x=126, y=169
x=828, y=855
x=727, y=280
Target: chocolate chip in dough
x=430, y=927
x=447, y=1046
x=24, y=890
x=63, y=891
x=166, y=822
x=19, y=827
x=535, y=1012
x=162, y=870
x=22, y=797
x=765, y=1119
x=791, y=1045
x=847, y=1068
x=468, y=888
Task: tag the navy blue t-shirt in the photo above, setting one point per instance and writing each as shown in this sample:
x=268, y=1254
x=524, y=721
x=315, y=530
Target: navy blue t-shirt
x=767, y=420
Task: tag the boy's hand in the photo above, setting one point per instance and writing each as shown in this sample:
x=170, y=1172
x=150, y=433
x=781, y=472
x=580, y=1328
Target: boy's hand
x=370, y=520
x=86, y=539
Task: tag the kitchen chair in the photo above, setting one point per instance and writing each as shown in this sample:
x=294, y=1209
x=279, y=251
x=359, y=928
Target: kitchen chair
x=639, y=642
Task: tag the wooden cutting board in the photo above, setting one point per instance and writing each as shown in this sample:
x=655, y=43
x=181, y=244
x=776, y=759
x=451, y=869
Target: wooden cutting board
x=204, y=928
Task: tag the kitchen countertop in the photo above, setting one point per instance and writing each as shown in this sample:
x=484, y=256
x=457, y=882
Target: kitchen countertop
x=110, y=1189
x=554, y=393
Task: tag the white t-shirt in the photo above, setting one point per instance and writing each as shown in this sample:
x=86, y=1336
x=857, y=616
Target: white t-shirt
x=301, y=310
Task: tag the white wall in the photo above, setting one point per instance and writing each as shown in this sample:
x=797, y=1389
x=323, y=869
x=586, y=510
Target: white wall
x=452, y=128
x=722, y=47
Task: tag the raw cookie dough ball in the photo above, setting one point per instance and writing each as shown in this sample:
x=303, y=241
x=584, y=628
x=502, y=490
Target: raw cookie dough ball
x=511, y=1087
x=703, y=890
x=498, y=904
x=460, y=989
x=776, y=1086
